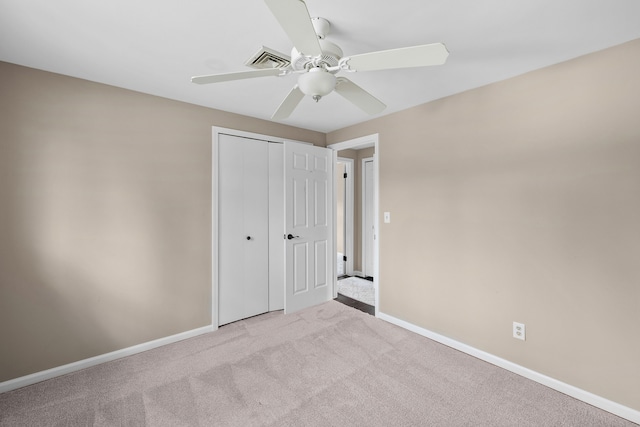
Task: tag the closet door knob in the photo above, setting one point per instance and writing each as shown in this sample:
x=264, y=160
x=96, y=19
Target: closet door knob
x=248, y=237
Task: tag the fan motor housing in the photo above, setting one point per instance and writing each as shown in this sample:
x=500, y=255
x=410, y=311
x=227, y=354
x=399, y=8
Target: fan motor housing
x=331, y=54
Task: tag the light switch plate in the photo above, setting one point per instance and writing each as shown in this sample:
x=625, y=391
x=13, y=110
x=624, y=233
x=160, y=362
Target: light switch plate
x=387, y=217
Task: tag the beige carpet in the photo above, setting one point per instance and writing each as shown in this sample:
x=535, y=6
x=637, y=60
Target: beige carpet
x=329, y=365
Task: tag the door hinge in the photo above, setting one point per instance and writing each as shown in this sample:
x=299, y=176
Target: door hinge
x=345, y=175
x=344, y=258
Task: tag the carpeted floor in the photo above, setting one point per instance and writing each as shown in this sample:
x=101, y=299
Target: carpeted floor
x=358, y=289
x=328, y=365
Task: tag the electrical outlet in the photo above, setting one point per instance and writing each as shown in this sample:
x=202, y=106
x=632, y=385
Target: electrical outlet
x=519, y=331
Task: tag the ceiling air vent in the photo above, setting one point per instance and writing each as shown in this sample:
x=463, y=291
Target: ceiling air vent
x=268, y=58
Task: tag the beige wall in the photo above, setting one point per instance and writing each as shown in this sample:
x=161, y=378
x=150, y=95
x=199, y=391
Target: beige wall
x=105, y=217
x=515, y=201
x=519, y=201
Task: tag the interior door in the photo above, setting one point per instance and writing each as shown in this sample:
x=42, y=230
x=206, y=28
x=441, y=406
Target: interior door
x=308, y=225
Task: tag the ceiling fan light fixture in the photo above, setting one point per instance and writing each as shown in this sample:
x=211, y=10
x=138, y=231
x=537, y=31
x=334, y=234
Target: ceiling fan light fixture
x=317, y=82
x=317, y=60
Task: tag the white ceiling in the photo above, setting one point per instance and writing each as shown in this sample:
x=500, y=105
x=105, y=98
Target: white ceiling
x=155, y=46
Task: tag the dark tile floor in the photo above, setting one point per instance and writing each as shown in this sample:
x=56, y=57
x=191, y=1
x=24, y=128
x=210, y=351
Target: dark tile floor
x=359, y=305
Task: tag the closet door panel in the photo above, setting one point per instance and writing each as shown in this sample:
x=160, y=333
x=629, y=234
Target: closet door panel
x=243, y=197
x=276, y=227
x=256, y=227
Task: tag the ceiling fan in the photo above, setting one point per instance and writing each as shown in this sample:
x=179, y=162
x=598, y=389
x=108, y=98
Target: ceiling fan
x=317, y=61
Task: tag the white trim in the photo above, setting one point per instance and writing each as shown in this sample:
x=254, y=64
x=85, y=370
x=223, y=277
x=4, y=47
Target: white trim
x=348, y=220
x=583, y=395
x=334, y=215
x=96, y=360
x=363, y=208
x=361, y=142
x=214, y=226
x=376, y=221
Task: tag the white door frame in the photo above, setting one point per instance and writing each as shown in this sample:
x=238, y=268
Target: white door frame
x=364, y=142
x=363, y=208
x=348, y=214
x=216, y=131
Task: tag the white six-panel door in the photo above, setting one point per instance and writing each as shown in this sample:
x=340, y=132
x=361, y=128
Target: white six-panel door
x=308, y=225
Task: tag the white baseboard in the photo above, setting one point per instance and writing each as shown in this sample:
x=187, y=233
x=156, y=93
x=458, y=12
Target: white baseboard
x=86, y=363
x=585, y=396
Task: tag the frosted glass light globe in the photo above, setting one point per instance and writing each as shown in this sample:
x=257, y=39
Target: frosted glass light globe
x=317, y=82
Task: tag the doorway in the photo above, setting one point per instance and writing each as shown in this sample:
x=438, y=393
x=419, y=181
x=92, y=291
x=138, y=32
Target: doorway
x=354, y=289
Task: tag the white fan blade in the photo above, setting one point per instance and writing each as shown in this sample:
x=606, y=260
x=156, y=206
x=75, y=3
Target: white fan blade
x=288, y=104
x=217, y=78
x=405, y=57
x=358, y=96
x=294, y=19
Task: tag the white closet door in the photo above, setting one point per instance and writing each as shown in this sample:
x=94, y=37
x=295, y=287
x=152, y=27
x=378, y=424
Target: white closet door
x=243, y=276
x=276, y=226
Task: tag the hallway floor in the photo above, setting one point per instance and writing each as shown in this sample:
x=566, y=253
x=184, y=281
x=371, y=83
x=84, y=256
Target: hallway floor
x=357, y=293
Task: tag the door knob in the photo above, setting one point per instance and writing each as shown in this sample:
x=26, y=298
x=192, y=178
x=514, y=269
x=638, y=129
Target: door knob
x=291, y=236
x=248, y=237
